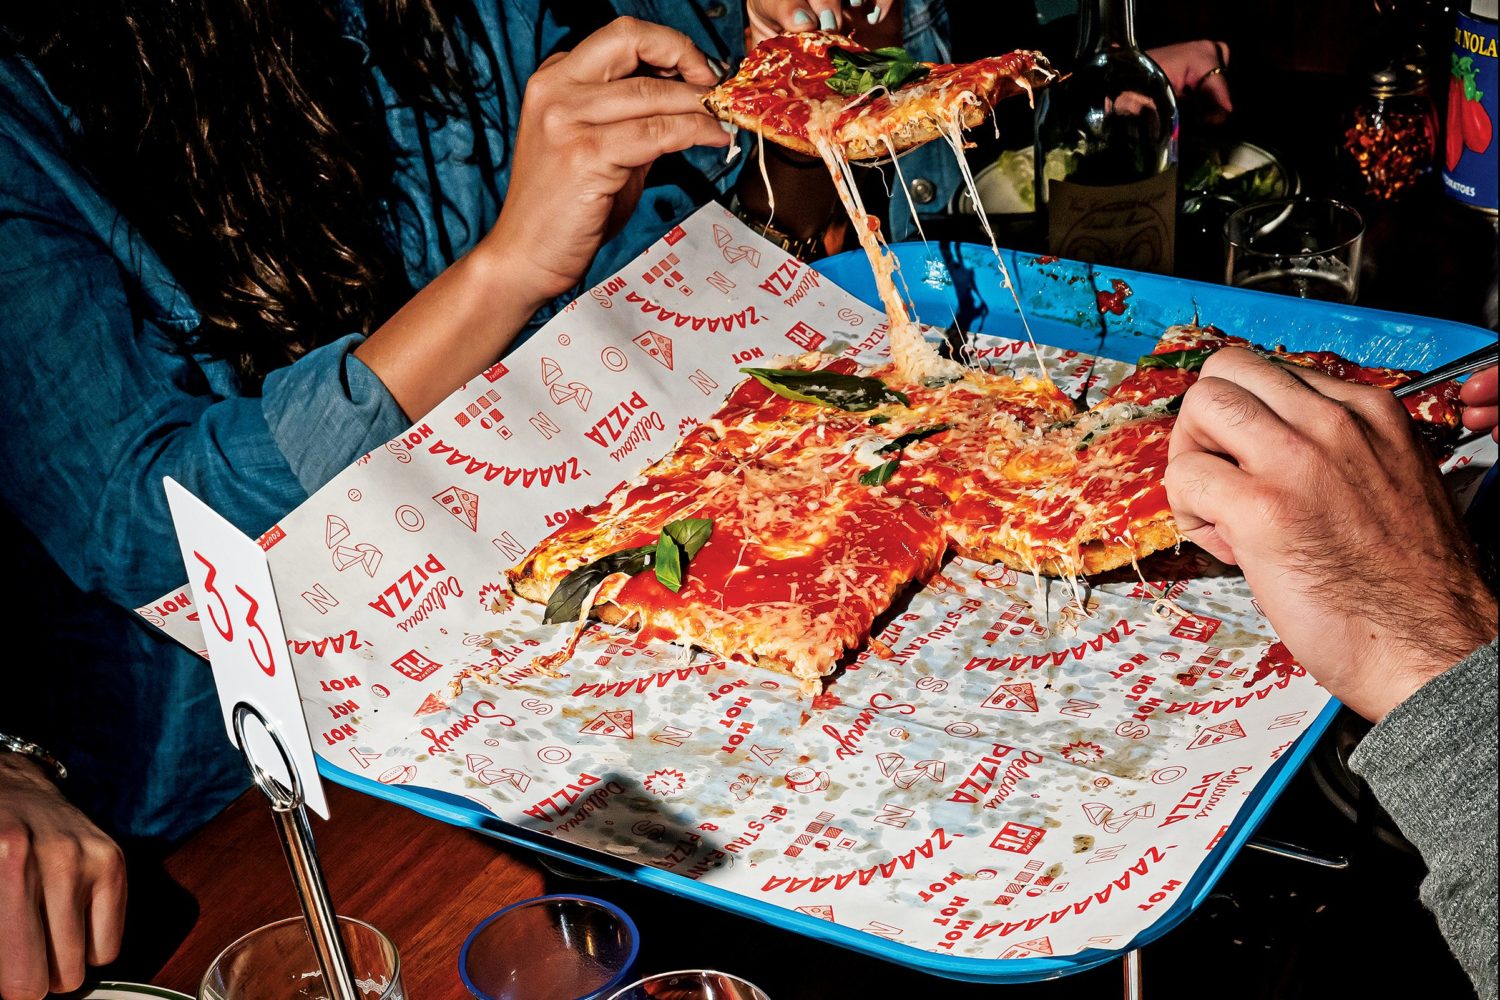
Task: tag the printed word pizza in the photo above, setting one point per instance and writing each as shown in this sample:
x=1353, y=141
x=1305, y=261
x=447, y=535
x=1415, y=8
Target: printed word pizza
x=779, y=530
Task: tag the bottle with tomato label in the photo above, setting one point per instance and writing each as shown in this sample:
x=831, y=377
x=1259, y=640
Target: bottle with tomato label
x=1470, y=160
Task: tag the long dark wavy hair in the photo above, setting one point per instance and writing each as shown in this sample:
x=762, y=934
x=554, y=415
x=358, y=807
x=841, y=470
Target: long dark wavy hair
x=242, y=138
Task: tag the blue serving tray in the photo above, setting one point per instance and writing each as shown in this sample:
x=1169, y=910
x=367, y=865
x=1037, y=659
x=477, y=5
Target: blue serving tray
x=950, y=282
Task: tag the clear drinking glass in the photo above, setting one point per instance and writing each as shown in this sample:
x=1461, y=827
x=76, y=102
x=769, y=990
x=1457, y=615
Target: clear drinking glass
x=1303, y=246
x=561, y=947
x=276, y=962
x=691, y=984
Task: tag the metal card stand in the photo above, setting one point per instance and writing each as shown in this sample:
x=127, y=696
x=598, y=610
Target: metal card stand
x=1133, y=985
x=301, y=858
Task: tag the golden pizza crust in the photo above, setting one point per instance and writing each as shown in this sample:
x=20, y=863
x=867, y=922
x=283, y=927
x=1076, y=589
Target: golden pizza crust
x=532, y=588
x=917, y=127
x=1094, y=556
x=525, y=582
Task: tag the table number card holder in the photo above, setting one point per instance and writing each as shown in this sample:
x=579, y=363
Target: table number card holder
x=228, y=570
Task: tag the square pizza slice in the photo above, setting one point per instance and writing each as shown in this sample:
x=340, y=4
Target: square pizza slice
x=796, y=88
x=797, y=556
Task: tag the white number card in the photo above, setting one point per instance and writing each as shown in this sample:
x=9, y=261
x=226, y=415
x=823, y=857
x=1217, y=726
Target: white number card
x=241, y=621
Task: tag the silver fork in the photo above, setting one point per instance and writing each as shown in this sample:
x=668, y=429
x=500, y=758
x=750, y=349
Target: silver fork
x=1472, y=362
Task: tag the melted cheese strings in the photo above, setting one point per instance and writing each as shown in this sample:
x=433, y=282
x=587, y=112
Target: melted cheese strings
x=953, y=135
x=760, y=156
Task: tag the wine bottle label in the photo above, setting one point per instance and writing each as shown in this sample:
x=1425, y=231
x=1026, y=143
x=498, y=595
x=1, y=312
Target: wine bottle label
x=1127, y=225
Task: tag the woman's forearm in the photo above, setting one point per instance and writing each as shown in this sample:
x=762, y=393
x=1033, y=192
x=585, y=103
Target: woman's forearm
x=453, y=329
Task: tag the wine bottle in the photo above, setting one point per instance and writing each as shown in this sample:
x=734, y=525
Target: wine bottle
x=1106, y=149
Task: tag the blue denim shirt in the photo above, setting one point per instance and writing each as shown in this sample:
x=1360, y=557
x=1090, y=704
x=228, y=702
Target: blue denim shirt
x=100, y=400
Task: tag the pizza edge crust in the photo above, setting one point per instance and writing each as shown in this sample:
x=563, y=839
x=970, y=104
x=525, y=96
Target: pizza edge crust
x=1095, y=557
x=919, y=126
x=532, y=588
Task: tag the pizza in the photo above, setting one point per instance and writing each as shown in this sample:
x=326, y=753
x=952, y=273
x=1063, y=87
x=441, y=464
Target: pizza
x=822, y=94
x=796, y=88
x=1173, y=366
x=778, y=531
x=797, y=556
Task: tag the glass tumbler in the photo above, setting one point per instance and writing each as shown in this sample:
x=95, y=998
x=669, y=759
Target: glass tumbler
x=276, y=962
x=1303, y=246
x=562, y=947
x=691, y=984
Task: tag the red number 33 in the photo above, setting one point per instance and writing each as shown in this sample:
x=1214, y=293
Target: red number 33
x=261, y=652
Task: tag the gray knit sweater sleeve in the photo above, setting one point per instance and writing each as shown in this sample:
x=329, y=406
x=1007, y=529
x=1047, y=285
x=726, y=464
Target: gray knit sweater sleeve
x=1432, y=764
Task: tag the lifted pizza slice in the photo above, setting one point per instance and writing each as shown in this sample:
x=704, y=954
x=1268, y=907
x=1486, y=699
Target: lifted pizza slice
x=793, y=88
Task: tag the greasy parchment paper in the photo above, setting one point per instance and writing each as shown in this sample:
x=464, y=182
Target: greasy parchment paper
x=1002, y=774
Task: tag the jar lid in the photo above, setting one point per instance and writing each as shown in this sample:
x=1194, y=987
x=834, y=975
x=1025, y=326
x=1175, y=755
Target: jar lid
x=1397, y=78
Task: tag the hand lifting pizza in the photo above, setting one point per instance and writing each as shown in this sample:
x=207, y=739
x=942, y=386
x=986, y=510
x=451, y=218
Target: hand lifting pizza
x=778, y=531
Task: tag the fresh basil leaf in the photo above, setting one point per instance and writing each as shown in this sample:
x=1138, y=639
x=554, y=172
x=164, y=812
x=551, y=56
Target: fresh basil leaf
x=677, y=543
x=690, y=532
x=911, y=437
x=668, y=562
x=881, y=474
x=900, y=74
x=845, y=392
x=566, y=602
x=851, y=82
x=870, y=58
x=878, y=419
x=860, y=72
x=1190, y=360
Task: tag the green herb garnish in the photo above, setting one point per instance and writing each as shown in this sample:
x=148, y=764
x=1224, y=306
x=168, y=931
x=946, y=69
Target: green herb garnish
x=878, y=419
x=845, y=392
x=1191, y=360
x=911, y=437
x=677, y=543
x=881, y=474
x=861, y=72
x=566, y=602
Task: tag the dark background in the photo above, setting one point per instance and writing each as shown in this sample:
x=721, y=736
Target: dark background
x=1296, y=69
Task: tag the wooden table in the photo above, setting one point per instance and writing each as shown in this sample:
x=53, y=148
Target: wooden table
x=426, y=885
x=423, y=883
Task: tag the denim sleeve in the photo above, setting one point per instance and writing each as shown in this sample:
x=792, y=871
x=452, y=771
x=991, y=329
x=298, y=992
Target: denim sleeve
x=327, y=410
x=99, y=402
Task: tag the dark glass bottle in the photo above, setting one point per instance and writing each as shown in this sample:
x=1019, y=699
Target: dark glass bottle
x=1107, y=149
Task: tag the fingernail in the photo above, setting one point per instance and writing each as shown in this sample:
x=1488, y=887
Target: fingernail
x=828, y=20
x=721, y=69
x=856, y=3
x=874, y=15
x=730, y=127
x=802, y=17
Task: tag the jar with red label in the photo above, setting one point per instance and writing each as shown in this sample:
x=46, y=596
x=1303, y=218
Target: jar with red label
x=1390, y=137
